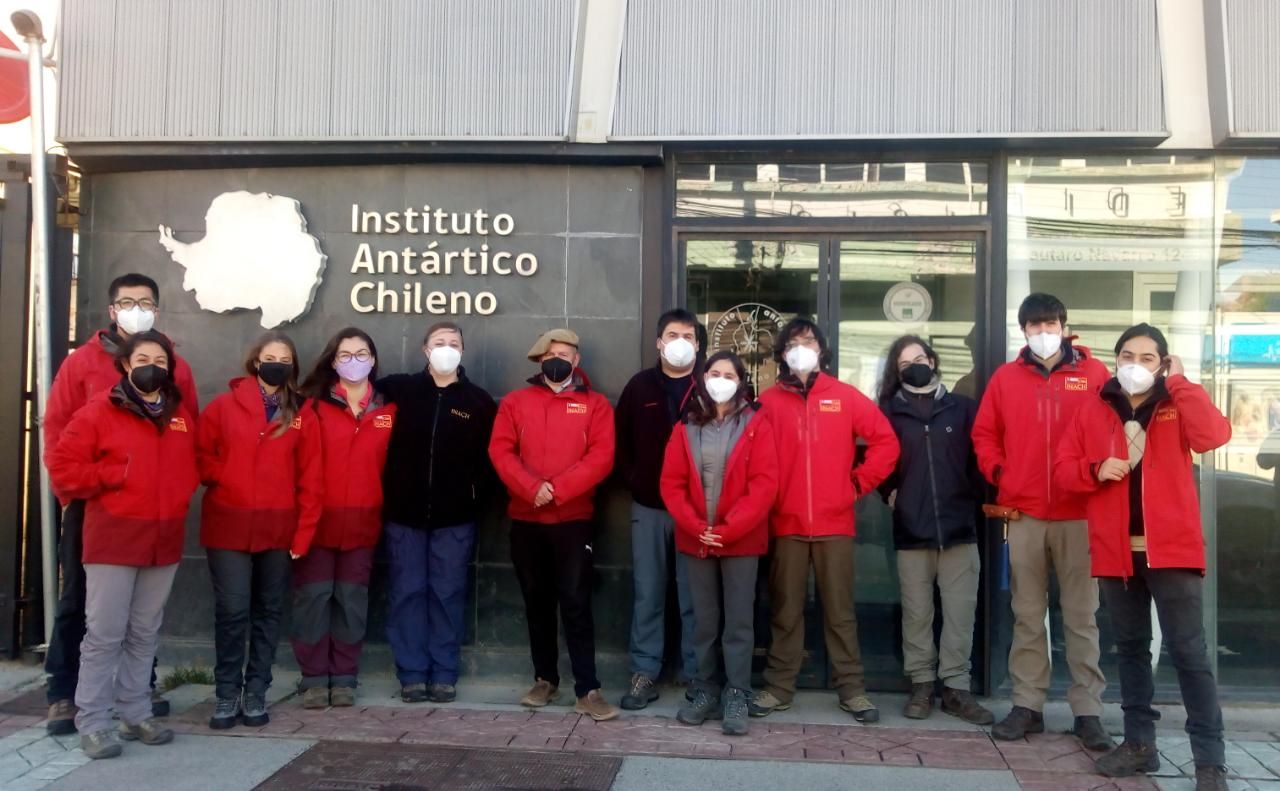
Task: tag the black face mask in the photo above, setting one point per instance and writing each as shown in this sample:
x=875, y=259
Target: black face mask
x=917, y=375
x=148, y=378
x=274, y=374
x=557, y=369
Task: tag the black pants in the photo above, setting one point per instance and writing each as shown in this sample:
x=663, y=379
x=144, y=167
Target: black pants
x=249, y=592
x=1179, y=606
x=62, y=656
x=553, y=565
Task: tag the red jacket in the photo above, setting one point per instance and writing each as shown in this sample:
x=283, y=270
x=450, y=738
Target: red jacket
x=1187, y=421
x=264, y=490
x=746, y=494
x=90, y=370
x=137, y=479
x=816, y=436
x=565, y=438
x=1023, y=415
x=355, y=454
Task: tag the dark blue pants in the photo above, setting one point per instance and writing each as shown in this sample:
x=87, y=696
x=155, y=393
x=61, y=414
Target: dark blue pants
x=428, y=599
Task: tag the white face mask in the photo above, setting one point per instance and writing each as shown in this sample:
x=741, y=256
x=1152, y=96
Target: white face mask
x=1045, y=345
x=679, y=353
x=1135, y=379
x=135, y=320
x=720, y=389
x=444, y=359
x=801, y=360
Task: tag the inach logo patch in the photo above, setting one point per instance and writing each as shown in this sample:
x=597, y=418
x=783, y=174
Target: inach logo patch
x=1077, y=383
x=574, y=408
x=177, y=424
x=382, y=421
x=460, y=413
x=829, y=405
x=1167, y=413
x=297, y=422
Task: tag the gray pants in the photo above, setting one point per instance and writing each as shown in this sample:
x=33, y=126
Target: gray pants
x=652, y=556
x=956, y=571
x=124, y=606
x=723, y=588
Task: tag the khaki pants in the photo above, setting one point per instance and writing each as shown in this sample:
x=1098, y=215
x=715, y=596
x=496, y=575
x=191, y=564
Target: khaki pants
x=1036, y=547
x=832, y=562
x=956, y=570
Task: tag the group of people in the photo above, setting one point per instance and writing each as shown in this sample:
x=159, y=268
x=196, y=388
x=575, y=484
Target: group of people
x=305, y=476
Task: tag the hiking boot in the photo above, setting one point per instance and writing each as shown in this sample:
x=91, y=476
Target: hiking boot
x=862, y=709
x=101, y=744
x=1018, y=724
x=342, y=697
x=705, y=706
x=595, y=706
x=62, y=718
x=255, y=710
x=540, y=694
x=414, y=693
x=735, y=712
x=1092, y=735
x=1211, y=778
x=641, y=694
x=226, y=712
x=442, y=693
x=961, y=703
x=920, y=704
x=148, y=732
x=764, y=703
x=315, y=698
x=159, y=706
x=1129, y=759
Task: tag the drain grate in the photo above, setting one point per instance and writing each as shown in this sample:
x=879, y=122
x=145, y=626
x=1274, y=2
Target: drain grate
x=352, y=766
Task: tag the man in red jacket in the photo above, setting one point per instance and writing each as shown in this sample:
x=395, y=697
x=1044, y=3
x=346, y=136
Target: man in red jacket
x=552, y=444
x=89, y=370
x=817, y=421
x=1028, y=405
x=1129, y=452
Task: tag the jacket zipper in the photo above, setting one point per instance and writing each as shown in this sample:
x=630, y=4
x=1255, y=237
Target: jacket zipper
x=1048, y=444
x=933, y=484
x=808, y=465
x=431, y=452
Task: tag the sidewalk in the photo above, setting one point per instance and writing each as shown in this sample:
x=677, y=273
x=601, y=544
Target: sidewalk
x=814, y=745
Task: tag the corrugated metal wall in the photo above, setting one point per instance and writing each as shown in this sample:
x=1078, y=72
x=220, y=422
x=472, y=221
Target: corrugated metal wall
x=858, y=68
x=315, y=69
x=1253, y=34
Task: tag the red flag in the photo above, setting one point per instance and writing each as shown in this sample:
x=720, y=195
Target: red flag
x=15, y=97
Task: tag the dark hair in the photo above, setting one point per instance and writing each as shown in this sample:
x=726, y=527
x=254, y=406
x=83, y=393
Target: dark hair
x=797, y=326
x=290, y=400
x=1039, y=307
x=434, y=328
x=891, y=379
x=703, y=408
x=129, y=345
x=677, y=316
x=132, y=280
x=1144, y=330
x=322, y=377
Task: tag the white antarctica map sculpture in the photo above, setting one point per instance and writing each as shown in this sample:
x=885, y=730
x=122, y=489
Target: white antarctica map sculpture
x=256, y=253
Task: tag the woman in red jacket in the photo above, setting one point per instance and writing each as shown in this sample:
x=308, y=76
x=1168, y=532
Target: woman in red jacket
x=259, y=454
x=130, y=455
x=331, y=582
x=719, y=480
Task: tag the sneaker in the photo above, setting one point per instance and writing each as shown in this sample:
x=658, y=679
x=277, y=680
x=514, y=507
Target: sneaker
x=226, y=713
x=764, y=704
x=1092, y=735
x=414, y=693
x=1129, y=759
x=1018, y=724
x=595, y=706
x=342, y=697
x=315, y=698
x=705, y=706
x=442, y=693
x=641, y=694
x=920, y=704
x=862, y=709
x=961, y=703
x=62, y=718
x=1211, y=778
x=255, y=710
x=159, y=706
x=101, y=744
x=148, y=731
x=540, y=694
x=735, y=712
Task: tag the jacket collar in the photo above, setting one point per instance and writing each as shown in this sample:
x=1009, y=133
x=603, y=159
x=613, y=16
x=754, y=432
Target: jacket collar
x=337, y=397
x=125, y=397
x=901, y=402
x=1118, y=400
x=461, y=381
x=578, y=384
x=1072, y=357
x=818, y=380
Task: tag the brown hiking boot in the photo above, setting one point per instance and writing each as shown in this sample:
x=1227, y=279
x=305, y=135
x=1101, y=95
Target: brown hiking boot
x=920, y=704
x=595, y=706
x=149, y=731
x=1129, y=759
x=1018, y=724
x=62, y=718
x=862, y=709
x=961, y=703
x=342, y=697
x=1211, y=778
x=540, y=694
x=1092, y=735
x=315, y=698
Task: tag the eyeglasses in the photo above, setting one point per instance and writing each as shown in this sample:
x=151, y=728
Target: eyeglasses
x=125, y=303
x=363, y=356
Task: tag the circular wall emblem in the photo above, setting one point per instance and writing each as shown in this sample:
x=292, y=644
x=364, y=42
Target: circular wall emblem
x=908, y=303
x=748, y=331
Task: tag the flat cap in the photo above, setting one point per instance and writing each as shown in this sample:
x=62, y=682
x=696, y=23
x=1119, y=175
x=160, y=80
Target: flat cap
x=558, y=335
